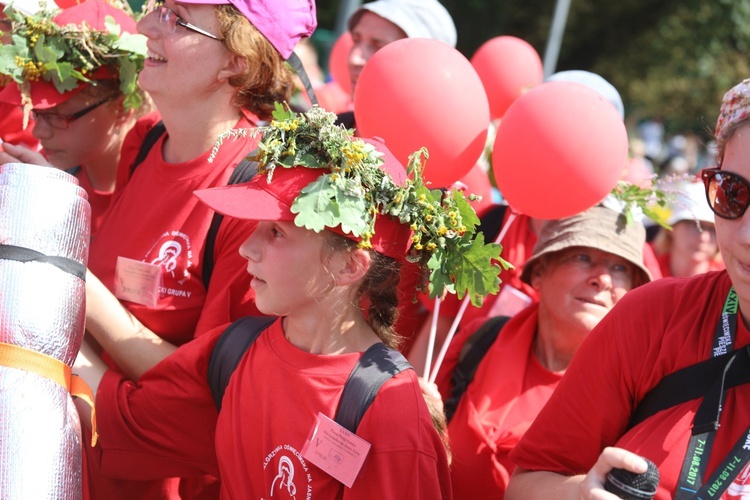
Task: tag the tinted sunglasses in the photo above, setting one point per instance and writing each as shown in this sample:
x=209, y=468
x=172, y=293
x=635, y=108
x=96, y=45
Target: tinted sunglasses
x=728, y=194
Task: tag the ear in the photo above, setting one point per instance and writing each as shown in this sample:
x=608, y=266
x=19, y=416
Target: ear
x=235, y=66
x=352, y=266
x=536, y=276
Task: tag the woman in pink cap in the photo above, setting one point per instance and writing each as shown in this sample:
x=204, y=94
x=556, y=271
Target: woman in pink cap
x=157, y=279
x=336, y=218
x=81, y=117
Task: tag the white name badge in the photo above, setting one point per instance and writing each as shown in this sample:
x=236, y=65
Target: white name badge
x=510, y=302
x=137, y=281
x=335, y=450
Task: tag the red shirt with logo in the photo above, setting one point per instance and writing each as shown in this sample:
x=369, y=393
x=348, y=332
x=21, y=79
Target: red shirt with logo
x=269, y=408
x=653, y=331
x=156, y=219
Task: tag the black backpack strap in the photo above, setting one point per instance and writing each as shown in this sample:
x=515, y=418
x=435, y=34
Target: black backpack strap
x=491, y=221
x=152, y=136
x=472, y=353
x=693, y=382
x=376, y=366
x=243, y=172
x=296, y=63
x=229, y=350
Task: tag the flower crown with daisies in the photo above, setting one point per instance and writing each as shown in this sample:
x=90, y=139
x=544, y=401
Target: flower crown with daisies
x=444, y=240
x=65, y=55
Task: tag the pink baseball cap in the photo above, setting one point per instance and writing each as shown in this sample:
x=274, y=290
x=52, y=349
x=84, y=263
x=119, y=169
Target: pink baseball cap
x=262, y=200
x=282, y=22
x=44, y=94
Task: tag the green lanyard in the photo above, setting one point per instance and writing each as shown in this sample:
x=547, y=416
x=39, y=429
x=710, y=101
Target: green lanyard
x=706, y=422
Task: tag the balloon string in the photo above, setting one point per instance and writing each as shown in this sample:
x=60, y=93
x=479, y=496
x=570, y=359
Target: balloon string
x=433, y=333
x=460, y=315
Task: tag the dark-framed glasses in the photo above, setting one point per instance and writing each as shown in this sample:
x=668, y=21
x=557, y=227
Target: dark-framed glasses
x=728, y=194
x=171, y=20
x=61, y=122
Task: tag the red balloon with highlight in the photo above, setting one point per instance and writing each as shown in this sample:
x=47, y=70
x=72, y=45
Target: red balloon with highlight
x=559, y=150
x=508, y=67
x=419, y=92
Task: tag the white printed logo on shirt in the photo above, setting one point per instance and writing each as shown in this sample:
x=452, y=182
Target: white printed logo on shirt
x=291, y=472
x=174, y=254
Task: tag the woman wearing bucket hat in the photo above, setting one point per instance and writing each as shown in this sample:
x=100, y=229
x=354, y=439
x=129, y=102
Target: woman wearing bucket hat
x=213, y=70
x=581, y=267
x=336, y=217
x=84, y=99
x=661, y=377
x=690, y=247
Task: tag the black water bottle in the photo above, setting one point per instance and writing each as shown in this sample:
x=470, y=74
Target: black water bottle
x=632, y=486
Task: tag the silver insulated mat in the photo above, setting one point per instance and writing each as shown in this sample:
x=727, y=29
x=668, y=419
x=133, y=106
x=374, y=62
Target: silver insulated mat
x=42, y=308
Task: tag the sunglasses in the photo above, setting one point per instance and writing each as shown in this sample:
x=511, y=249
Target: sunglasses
x=728, y=194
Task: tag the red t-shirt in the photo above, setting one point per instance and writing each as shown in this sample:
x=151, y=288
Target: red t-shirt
x=268, y=411
x=509, y=389
x=651, y=332
x=155, y=218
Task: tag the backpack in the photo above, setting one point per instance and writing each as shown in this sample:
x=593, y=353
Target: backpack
x=472, y=353
x=376, y=366
x=243, y=172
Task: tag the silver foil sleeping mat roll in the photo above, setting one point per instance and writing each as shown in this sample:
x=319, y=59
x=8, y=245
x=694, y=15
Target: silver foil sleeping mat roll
x=42, y=309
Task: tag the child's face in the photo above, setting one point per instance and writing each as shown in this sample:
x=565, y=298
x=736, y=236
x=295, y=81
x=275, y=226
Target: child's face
x=287, y=263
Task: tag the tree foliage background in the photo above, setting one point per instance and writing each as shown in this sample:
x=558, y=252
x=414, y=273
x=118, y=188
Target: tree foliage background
x=670, y=59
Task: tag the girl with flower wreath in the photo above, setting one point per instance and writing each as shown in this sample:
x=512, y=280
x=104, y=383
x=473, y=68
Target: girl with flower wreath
x=336, y=217
x=75, y=73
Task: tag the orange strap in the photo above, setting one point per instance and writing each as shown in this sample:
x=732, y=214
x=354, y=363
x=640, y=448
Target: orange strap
x=53, y=369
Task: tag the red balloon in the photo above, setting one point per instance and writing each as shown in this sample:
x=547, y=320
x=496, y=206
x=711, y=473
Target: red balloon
x=508, y=67
x=338, y=61
x=419, y=92
x=559, y=150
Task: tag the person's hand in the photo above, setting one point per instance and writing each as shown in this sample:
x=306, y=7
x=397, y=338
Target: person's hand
x=21, y=154
x=430, y=390
x=592, y=486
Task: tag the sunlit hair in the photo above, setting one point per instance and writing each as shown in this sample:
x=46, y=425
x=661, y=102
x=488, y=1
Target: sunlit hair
x=377, y=294
x=266, y=78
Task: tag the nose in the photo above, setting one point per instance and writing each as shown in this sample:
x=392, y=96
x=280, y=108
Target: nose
x=600, y=276
x=249, y=249
x=707, y=234
x=359, y=54
x=149, y=24
x=42, y=130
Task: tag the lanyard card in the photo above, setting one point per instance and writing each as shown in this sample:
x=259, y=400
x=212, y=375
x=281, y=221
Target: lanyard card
x=335, y=450
x=137, y=281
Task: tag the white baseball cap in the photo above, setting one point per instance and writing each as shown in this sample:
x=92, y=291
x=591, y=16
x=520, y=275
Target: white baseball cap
x=690, y=204
x=594, y=81
x=417, y=18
